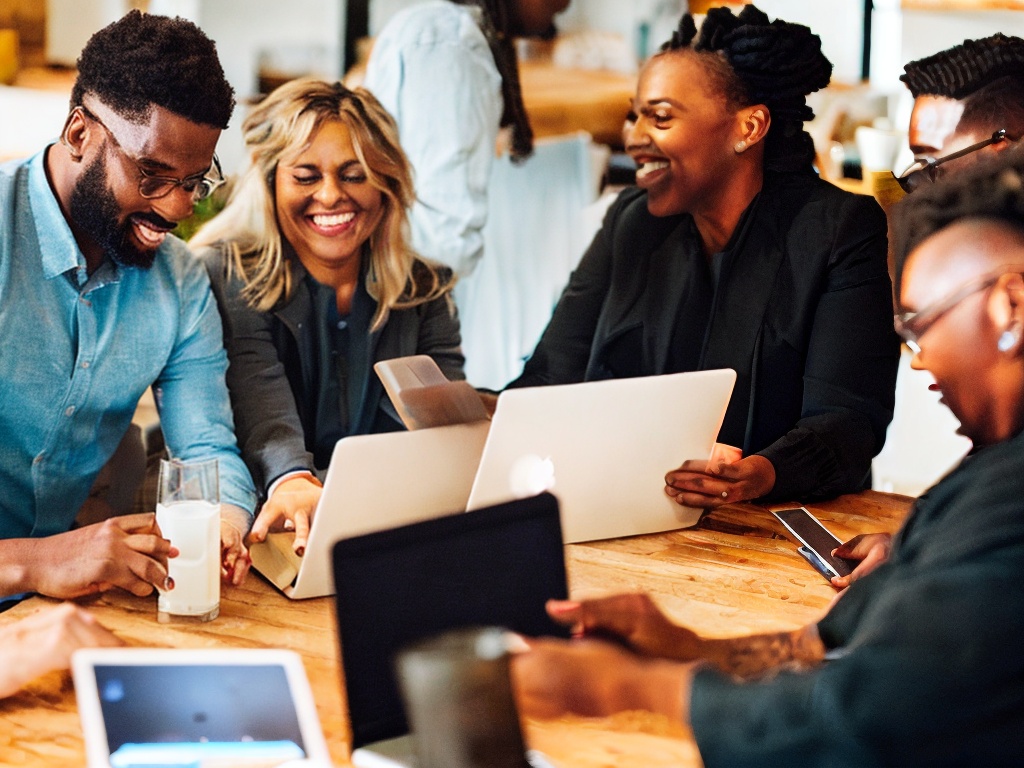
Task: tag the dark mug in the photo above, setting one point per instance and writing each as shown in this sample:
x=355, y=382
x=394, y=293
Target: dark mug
x=458, y=700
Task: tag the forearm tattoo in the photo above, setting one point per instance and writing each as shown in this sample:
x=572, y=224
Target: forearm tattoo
x=753, y=656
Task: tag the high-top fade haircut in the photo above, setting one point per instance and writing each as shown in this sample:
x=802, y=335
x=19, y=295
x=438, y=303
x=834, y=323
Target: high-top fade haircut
x=142, y=61
x=993, y=189
x=963, y=69
x=756, y=61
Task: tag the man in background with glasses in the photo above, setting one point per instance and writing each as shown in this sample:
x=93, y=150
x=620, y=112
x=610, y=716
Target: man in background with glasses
x=98, y=302
x=968, y=103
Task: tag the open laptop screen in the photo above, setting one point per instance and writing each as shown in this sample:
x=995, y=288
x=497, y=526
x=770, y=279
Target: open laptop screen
x=494, y=566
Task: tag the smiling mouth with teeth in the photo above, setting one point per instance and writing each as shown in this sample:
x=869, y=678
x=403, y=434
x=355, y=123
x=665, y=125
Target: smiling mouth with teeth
x=332, y=220
x=643, y=169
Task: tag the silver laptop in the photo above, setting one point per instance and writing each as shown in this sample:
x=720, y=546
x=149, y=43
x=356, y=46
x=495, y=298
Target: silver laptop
x=603, y=448
x=375, y=482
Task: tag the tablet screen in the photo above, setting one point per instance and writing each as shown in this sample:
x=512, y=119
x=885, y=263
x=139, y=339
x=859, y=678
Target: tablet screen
x=183, y=713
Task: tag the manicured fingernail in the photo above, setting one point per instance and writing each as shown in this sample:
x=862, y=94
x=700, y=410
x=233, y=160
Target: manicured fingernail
x=300, y=551
x=168, y=584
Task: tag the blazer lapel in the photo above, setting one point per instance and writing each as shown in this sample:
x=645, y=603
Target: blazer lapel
x=667, y=267
x=744, y=292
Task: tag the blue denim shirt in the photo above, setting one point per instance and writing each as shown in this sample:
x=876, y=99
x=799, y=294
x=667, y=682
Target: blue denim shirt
x=77, y=351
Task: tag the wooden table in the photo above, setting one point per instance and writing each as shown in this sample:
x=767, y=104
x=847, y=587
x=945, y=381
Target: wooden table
x=734, y=573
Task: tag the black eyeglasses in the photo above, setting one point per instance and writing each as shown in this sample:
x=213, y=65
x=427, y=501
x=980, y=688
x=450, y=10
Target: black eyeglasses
x=911, y=326
x=152, y=186
x=925, y=169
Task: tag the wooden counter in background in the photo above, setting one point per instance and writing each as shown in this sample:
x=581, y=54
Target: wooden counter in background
x=732, y=574
x=561, y=101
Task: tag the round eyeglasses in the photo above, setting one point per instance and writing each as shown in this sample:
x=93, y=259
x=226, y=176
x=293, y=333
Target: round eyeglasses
x=152, y=186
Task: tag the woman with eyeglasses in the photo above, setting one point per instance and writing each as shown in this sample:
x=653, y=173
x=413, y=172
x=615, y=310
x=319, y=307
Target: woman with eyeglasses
x=316, y=283
x=731, y=253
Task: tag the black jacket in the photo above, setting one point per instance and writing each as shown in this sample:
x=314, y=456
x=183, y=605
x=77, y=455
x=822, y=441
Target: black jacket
x=802, y=312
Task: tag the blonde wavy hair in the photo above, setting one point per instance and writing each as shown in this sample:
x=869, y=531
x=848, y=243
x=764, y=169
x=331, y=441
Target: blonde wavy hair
x=247, y=228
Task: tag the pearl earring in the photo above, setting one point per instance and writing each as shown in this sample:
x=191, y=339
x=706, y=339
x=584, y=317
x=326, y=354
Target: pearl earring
x=1007, y=341
x=740, y=146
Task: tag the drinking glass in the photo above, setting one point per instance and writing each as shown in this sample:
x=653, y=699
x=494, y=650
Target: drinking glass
x=188, y=513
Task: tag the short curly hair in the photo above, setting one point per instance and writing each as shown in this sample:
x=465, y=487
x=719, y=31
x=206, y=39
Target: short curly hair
x=143, y=60
x=757, y=61
x=965, y=68
x=993, y=189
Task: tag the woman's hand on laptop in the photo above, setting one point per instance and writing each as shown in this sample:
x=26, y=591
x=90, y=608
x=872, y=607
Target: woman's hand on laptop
x=709, y=484
x=290, y=508
x=234, y=557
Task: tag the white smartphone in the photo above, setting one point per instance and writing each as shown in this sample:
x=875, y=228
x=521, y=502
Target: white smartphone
x=816, y=540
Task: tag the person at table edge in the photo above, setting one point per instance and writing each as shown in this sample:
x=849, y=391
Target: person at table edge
x=98, y=302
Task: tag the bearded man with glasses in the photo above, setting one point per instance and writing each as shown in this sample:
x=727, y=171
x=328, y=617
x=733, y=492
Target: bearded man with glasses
x=98, y=302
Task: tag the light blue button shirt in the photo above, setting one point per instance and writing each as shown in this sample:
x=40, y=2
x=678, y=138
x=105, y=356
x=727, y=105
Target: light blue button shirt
x=77, y=351
x=432, y=69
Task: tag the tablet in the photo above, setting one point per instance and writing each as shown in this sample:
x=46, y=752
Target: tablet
x=174, y=707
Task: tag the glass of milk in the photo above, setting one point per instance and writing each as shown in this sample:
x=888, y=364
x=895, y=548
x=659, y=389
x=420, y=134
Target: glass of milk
x=188, y=513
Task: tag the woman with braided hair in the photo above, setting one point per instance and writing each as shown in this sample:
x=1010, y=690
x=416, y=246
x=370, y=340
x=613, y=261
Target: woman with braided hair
x=447, y=71
x=731, y=253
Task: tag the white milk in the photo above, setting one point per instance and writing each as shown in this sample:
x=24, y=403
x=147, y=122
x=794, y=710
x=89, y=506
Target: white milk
x=194, y=528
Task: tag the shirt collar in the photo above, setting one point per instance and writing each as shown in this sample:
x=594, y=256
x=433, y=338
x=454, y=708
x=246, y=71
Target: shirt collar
x=59, y=251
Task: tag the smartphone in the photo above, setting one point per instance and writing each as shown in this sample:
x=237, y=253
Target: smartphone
x=817, y=542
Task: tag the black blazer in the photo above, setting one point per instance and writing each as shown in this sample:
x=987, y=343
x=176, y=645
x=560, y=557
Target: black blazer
x=803, y=314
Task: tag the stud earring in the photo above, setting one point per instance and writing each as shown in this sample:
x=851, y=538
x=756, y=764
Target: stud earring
x=1007, y=341
x=740, y=146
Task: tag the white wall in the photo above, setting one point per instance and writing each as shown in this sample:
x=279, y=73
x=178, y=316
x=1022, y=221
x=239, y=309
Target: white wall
x=311, y=30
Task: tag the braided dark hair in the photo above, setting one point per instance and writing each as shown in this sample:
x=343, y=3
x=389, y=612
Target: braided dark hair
x=992, y=189
x=963, y=69
x=496, y=24
x=143, y=60
x=757, y=61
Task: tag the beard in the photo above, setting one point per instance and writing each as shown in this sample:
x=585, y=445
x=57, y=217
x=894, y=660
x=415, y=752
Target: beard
x=95, y=210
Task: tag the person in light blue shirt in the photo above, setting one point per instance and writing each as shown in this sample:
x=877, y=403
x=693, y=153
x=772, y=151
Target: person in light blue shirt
x=447, y=73
x=98, y=302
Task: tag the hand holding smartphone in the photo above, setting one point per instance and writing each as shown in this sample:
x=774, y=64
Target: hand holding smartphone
x=817, y=542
